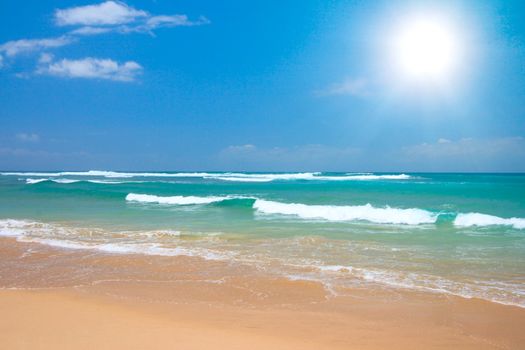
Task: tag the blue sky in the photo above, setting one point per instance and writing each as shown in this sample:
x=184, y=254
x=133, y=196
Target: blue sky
x=257, y=85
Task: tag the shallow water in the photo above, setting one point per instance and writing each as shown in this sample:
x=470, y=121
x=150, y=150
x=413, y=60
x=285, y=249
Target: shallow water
x=461, y=234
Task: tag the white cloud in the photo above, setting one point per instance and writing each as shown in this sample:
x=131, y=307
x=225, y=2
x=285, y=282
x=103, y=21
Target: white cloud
x=144, y=25
x=106, y=13
x=174, y=21
x=353, y=87
x=109, y=16
x=45, y=58
x=15, y=47
x=239, y=149
x=93, y=68
x=116, y=16
x=91, y=30
x=24, y=137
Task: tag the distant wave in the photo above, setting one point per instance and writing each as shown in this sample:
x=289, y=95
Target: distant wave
x=246, y=177
x=35, y=181
x=99, y=173
x=60, y=181
x=175, y=200
x=31, y=181
x=224, y=176
x=366, y=212
x=240, y=177
x=478, y=219
x=379, y=177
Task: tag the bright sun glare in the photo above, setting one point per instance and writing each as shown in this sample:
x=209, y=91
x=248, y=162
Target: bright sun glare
x=426, y=49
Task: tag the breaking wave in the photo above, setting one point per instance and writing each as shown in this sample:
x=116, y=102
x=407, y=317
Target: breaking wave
x=176, y=200
x=387, y=215
x=481, y=220
x=31, y=181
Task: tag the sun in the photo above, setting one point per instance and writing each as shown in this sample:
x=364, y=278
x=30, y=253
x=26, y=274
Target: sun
x=425, y=49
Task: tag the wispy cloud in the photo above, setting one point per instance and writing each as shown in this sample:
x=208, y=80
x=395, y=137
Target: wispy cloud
x=45, y=58
x=106, y=13
x=92, y=68
x=116, y=16
x=143, y=26
x=27, y=137
x=15, y=47
x=91, y=30
x=352, y=87
x=96, y=19
x=175, y=21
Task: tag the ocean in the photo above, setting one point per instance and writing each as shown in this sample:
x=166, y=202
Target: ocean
x=455, y=234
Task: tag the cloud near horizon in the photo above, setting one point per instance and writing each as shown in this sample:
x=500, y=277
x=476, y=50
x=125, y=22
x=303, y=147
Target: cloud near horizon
x=468, y=154
x=297, y=158
x=27, y=137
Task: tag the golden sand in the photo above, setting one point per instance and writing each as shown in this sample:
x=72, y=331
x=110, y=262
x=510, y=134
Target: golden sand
x=81, y=300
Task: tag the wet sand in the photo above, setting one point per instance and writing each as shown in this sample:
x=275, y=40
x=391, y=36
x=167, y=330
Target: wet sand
x=64, y=299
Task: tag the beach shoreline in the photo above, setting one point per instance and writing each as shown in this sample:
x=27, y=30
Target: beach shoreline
x=257, y=312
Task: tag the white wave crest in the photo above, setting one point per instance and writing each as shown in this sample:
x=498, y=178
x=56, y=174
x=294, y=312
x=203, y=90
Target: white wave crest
x=59, y=181
x=377, y=177
x=366, y=212
x=65, y=181
x=112, y=182
x=223, y=176
x=478, y=219
x=31, y=181
x=246, y=177
x=99, y=173
x=241, y=177
x=175, y=200
x=35, y=181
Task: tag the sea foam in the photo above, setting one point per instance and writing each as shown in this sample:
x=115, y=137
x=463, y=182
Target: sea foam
x=366, y=212
x=64, y=237
x=478, y=219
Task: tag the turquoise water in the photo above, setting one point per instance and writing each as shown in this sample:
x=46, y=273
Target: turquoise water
x=461, y=234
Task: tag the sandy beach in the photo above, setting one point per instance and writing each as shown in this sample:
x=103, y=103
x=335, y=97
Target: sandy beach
x=183, y=311
x=262, y=175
